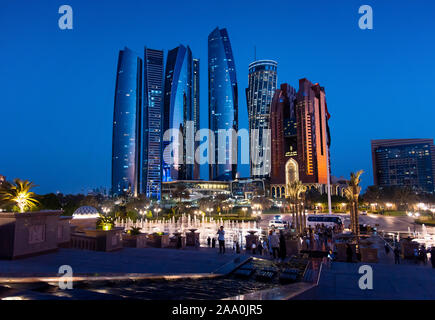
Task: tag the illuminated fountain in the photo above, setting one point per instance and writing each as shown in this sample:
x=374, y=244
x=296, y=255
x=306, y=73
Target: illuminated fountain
x=206, y=226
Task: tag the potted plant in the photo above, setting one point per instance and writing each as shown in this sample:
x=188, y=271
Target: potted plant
x=108, y=237
x=134, y=238
x=24, y=232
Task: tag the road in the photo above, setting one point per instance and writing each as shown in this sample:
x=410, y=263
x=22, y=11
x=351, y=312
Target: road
x=385, y=223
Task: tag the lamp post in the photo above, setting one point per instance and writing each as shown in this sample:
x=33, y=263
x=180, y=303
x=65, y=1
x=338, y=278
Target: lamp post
x=157, y=210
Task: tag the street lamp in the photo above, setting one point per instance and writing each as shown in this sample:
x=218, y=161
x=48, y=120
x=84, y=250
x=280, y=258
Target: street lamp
x=157, y=210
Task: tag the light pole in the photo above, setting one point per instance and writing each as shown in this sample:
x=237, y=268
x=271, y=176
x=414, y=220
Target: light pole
x=157, y=210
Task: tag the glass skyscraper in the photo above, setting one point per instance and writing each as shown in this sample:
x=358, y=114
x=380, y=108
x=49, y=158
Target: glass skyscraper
x=223, y=104
x=181, y=111
x=127, y=124
x=151, y=179
x=259, y=94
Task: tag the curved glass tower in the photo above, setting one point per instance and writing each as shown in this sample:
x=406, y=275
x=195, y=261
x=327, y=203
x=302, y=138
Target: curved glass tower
x=126, y=124
x=259, y=94
x=223, y=104
x=181, y=111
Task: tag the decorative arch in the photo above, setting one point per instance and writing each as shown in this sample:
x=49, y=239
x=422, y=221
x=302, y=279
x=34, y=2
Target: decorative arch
x=291, y=171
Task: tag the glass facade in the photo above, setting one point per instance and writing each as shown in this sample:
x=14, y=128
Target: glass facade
x=181, y=111
x=223, y=103
x=126, y=124
x=151, y=179
x=259, y=94
x=406, y=163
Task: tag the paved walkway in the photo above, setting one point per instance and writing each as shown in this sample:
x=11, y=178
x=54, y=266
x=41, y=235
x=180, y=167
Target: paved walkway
x=389, y=282
x=405, y=281
x=127, y=260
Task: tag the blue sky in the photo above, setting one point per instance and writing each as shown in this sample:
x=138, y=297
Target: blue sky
x=57, y=86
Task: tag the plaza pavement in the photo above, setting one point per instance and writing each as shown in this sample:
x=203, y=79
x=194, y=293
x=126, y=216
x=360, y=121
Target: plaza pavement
x=405, y=281
x=127, y=260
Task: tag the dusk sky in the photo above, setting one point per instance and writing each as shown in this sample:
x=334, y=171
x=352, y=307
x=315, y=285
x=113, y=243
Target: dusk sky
x=57, y=86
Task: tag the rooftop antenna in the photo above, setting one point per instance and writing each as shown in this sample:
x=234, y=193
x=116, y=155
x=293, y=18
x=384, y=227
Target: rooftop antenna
x=255, y=53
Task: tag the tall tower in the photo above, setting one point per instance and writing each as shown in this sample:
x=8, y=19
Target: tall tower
x=196, y=112
x=127, y=124
x=181, y=111
x=152, y=123
x=223, y=105
x=312, y=132
x=262, y=86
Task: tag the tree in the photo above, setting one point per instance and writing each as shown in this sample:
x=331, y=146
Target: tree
x=295, y=191
x=352, y=192
x=20, y=194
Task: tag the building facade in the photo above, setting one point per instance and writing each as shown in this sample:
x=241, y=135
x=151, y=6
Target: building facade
x=151, y=175
x=300, y=137
x=262, y=85
x=181, y=112
x=405, y=163
x=127, y=124
x=223, y=105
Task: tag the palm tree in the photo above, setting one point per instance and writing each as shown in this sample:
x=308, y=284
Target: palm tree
x=295, y=190
x=20, y=194
x=352, y=192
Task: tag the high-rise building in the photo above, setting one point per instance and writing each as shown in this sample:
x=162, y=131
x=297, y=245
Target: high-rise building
x=223, y=105
x=196, y=113
x=300, y=137
x=127, y=124
x=283, y=139
x=261, y=88
x=404, y=162
x=152, y=122
x=181, y=111
x=312, y=132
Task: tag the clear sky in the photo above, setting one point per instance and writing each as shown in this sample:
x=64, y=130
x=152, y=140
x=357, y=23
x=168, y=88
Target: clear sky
x=57, y=86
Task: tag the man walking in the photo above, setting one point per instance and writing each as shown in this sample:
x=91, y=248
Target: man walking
x=221, y=239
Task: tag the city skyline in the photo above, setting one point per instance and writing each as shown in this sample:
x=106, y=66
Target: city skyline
x=76, y=156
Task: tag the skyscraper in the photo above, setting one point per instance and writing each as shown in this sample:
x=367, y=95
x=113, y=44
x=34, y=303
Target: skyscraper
x=223, y=105
x=151, y=178
x=312, y=132
x=196, y=112
x=283, y=139
x=405, y=163
x=181, y=111
x=126, y=124
x=300, y=137
x=261, y=88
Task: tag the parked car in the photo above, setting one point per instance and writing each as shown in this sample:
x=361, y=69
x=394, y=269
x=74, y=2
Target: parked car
x=363, y=213
x=277, y=224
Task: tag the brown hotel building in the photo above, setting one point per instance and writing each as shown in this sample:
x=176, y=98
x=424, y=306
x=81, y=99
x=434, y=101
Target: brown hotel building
x=300, y=137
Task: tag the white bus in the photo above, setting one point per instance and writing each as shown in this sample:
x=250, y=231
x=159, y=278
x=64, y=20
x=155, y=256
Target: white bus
x=327, y=220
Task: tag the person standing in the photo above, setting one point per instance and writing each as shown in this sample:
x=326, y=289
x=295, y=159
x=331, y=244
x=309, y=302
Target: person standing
x=274, y=244
x=387, y=248
x=282, y=246
x=260, y=248
x=208, y=241
x=396, y=255
x=213, y=243
x=221, y=239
